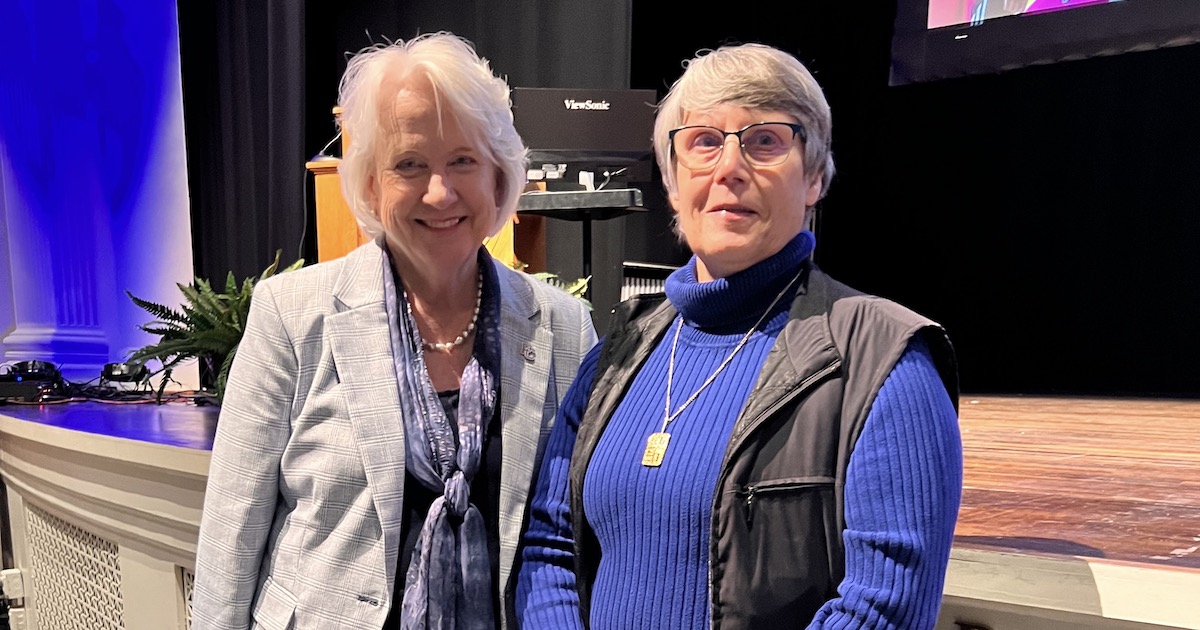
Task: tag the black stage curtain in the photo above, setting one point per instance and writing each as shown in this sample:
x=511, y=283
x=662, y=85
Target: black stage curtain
x=260, y=78
x=244, y=119
x=564, y=43
x=559, y=43
x=1046, y=216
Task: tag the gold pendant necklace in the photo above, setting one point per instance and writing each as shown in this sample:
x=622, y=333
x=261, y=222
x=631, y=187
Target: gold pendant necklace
x=656, y=444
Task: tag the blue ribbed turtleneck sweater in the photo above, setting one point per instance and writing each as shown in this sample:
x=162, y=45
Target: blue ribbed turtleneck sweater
x=902, y=492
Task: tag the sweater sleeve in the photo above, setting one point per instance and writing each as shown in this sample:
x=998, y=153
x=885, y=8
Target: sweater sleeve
x=546, y=595
x=903, y=487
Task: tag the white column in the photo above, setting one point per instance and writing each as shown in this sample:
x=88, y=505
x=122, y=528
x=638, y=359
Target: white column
x=93, y=181
x=50, y=228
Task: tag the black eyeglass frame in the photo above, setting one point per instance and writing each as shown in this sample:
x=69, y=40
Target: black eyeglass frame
x=797, y=130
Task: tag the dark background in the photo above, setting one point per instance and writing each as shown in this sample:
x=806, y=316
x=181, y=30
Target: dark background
x=1044, y=215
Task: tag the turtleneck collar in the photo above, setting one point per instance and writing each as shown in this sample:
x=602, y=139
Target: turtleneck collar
x=738, y=299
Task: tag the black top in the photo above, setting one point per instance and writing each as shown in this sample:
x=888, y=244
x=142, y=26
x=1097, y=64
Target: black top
x=485, y=495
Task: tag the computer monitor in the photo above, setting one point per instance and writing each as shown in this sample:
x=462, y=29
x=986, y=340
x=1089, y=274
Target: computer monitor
x=581, y=126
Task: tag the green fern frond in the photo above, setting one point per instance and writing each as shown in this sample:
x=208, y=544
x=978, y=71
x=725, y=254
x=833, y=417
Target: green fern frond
x=158, y=310
x=205, y=301
x=579, y=287
x=223, y=373
x=157, y=328
x=200, y=317
x=164, y=350
x=270, y=270
x=208, y=325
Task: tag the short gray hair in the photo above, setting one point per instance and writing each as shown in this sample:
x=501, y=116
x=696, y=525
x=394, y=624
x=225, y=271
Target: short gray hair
x=753, y=76
x=463, y=84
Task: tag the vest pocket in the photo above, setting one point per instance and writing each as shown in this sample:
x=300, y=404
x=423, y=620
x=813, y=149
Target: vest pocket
x=275, y=608
x=773, y=556
x=778, y=490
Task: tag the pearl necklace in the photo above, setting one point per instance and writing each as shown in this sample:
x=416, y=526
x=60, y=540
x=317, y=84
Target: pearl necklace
x=448, y=346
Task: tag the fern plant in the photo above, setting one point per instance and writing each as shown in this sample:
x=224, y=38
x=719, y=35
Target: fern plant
x=577, y=288
x=208, y=326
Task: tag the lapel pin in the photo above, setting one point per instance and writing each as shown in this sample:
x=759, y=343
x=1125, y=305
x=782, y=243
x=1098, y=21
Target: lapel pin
x=528, y=353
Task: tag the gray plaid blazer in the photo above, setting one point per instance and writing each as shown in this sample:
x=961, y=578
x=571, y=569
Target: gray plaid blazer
x=302, y=513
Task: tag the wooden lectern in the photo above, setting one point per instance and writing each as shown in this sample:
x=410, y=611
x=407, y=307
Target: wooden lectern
x=337, y=229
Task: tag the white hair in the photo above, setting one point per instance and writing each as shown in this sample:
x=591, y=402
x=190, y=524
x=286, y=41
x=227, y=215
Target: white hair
x=463, y=84
x=753, y=76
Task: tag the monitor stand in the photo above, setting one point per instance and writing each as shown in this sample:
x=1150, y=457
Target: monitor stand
x=585, y=207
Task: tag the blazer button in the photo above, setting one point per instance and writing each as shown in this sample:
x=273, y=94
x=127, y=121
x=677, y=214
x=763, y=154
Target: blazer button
x=528, y=353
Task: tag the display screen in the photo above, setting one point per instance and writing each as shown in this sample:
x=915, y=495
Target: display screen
x=939, y=39
x=976, y=12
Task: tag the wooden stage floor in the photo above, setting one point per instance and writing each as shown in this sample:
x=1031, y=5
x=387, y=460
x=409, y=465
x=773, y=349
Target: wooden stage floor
x=1111, y=479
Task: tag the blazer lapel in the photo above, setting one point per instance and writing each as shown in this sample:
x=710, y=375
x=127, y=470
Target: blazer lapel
x=359, y=340
x=525, y=365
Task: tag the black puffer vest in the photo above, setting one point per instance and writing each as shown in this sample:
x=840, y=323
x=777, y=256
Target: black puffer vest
x=776, y=553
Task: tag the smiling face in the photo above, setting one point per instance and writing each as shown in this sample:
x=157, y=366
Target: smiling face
x=433, y=190
x=732, y=214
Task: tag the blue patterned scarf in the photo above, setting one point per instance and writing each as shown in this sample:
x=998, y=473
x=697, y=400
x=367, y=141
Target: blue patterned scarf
x=448, y=584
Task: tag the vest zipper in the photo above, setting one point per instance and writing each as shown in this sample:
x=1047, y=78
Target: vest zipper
x=735, y=444
x=767, y=488
x=781, y=402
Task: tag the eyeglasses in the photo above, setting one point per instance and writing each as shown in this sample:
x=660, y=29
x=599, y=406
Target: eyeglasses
x=763, y=144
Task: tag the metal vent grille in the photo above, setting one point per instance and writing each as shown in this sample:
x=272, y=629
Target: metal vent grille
x=188, y=580
x=638, y=278
x=76, y=575
x=639, y=286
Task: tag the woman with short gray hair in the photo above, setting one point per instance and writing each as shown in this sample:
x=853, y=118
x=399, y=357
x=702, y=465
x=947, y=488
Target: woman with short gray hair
x=761, y=446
